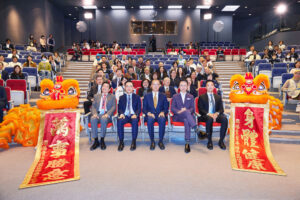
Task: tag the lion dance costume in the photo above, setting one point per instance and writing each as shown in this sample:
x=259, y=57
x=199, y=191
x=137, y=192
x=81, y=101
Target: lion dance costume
x=23, y=122
x=249, y=90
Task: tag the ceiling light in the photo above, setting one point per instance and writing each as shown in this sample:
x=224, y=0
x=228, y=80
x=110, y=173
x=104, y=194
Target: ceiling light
x=160, y=6
x=189, y=6
x=246, y=6
x=207, y=2
x=75, y=7
x=175, y=7
x=103, y=6
x=89, y=7
x=207, y=16
x=70, y=14
x=118, y=7
x=146, y=7
x=250, y=14
x=281, y=9
x=230, y=8
x=203, y=7
x=88, y=15
x=217, y=6
x=74, y=18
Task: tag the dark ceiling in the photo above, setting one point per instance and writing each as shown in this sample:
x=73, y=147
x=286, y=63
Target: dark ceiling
x=248, y=8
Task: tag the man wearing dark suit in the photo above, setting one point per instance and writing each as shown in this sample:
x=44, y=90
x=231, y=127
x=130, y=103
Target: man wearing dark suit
x=168, y=90
x=4, y=74
x=103, y=108
x=96, y=88
x=129, y=109
x=183, y=107
x=3, y=102
x=211, y=110
x=7, y=46
x=155, y=108
x=116, y=82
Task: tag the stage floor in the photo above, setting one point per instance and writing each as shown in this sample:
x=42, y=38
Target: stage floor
x=145, y=174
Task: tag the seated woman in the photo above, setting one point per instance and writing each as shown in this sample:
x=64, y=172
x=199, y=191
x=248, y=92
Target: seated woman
x=14, y=62
x=175, y=66
x=17, y=73
x=77, y=53
x=292, y=86
x=29, y=62
x=180, y=74
x=191, y=89
x=145, y=88
x=195, y=81
x=44, y=68
x=162, y=73
x=174, y=80
x=120, y=90
x=52, y=63
x=56, y=58
x=297, y=67
x=155, y=76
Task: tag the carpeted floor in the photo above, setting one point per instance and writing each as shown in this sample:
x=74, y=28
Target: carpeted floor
x=144, y=174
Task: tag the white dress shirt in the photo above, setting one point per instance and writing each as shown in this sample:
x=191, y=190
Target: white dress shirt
x=211, y=102
x=182, y=96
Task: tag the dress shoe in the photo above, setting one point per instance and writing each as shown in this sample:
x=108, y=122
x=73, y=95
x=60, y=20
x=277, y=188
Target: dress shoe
x=222, y=145
x=95, y=145
x=121, y=146
x=161, y=145
x=133, y=146
x=152, y=145
x=210, y=145
x=201, y=135
x=187, y=148
x=102, y=144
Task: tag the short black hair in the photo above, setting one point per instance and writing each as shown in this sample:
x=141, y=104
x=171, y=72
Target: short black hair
x=128, y=82
x=207, y=81
x=183, y=81
x=106, y=82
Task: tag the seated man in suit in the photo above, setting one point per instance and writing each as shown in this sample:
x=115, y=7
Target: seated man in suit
x=103, y=108
x=116, y=81
x=211, y=110
x=168, y=90
x=4, y=74
x=155, y=107
x=96, y=88
x=129, y=110
x=183, y=107
x=3, y=102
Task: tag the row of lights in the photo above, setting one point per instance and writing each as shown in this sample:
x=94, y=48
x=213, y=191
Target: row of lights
x=228, y=8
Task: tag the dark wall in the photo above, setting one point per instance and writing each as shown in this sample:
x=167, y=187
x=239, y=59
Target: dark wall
x=110, y=25
x=21, y=18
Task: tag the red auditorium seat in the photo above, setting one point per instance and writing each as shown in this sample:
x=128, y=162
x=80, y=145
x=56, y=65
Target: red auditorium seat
x=137, y=83
x=1, y=82
x=203, y=90
x=16, y=87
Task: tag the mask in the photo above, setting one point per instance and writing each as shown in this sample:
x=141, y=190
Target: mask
x=44, y=59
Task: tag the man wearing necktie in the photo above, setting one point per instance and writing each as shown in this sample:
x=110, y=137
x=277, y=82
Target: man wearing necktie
x=210, y=107
x=155, y=108
x=116, y=81
x=129, y=109
x=168, y=90
x=183, y=107
x=103, y=108
x=95, y=89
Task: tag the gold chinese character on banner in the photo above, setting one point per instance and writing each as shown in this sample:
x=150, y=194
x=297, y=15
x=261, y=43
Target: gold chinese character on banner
x=248, y=134
x=55, y=174
x=57, y=163
x=249, y=118
x=254, y=163
x=58, y=149
x=60, y=126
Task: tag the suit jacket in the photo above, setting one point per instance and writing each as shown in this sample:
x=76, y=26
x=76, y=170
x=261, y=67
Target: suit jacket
x=141, y=91
x=162, y=104
x=110, y=104
x=4, y=47
x=142, y=77
x=92, y=92
x=175, y=82
x=193, y=91
x=4, y=75
x=177, y=104
x=203, y=104
x=171, y=89
x=114, y=83
x=136, y=104
x=3, y=97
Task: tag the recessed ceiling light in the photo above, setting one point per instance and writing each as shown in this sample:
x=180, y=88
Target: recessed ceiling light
x=74, y=18
x=132, y=7
x=233, y=14
x=246, y=6
x=250, y=14
x=70, y=14
x=175, y=7
x=203, y=7
x=189, y=6
x=160, y=6
x=147, y=7
x=207, y=16
x=207, y=2
x=118, y=7
x=230, y=8
x=281, y=8
x=89, y=7
x=75, y=7
x=103, y=6
x=217, y=6
x=88, y=15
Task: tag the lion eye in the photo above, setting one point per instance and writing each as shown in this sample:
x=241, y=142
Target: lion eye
x=46, y=92
x=236, y=86
x=71, y=91
x=262, y=87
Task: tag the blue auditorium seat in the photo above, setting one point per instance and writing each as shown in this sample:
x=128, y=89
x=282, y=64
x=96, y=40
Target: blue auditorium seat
x=277, y=76
x=280, y=65
x=265, y=68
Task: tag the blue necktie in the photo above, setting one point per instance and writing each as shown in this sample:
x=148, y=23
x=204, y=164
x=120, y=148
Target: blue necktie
x=212, y=103
x=129, y=103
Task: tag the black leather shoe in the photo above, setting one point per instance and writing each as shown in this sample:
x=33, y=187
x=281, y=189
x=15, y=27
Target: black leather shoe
x=121, y=146
x=210, y=145
x=133, y=146
x=161, y=145
x=222, y=145
x=187, y=148
x=152, y=145
x=95, y=145
x=102, y=144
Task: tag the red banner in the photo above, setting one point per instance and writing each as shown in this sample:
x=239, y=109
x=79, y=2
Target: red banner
x=249, y=139
x=57, y=155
